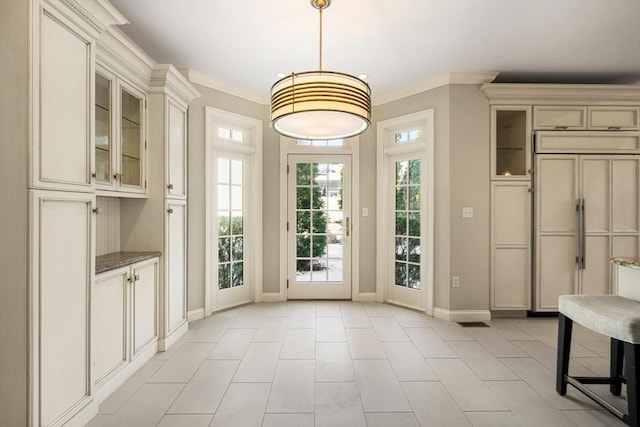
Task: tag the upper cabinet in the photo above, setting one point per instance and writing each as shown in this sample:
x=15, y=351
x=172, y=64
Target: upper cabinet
x=562, y=117
x=62, y=94
x=510, y=142
x=122, y=80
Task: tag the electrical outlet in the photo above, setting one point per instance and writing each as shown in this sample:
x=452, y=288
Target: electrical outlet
x=467, y=212
x=365, y=211
x=455, y=282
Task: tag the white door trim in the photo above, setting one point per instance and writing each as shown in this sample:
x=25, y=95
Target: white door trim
x=386, y=148
x=253, y=148
x=352, y=147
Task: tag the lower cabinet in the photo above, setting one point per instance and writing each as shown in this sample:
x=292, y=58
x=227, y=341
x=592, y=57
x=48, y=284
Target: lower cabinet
x=125, y=323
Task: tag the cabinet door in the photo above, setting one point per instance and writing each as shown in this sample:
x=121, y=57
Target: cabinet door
x=62, y=265
x=109, y=323
x=559, y=117
x=510, y=246
x=176, y=263
x=556, y=192
x=176, y=146
x=614, y=118
x=144, y=279
x=62, y=105
x=105, y=130
x=510, y=143
x=132, y=153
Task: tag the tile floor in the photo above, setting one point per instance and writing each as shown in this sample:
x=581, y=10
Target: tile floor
x=348, y=364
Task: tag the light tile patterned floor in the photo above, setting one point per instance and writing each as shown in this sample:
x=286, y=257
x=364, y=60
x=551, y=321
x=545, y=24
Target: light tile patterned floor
x=348, y=364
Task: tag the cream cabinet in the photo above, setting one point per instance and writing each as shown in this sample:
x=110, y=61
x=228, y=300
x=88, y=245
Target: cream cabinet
x=175, y=287
x=61, y=265
x=510, y=142
x=120, y=136
x=176, y=150
x=62, y=95
x=606, y=117
x=125, y=323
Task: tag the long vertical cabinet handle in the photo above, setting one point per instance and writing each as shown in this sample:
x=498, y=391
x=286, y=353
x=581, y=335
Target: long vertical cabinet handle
x=583, y=227
x=348, y=226
x=578, y=233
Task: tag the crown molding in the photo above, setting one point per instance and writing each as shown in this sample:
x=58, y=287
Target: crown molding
x=203, y=79
x=568, y=94
x=165, y=78
x=443, y=80
x=117, y=52
x=96, y=15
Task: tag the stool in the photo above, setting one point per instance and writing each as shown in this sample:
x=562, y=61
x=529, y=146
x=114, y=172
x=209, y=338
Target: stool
x=618, y=318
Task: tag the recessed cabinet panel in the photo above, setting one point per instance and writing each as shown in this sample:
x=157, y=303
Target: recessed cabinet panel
x=557, y=194
x=110, y=323
x=625, y=194
x=145, y=303
x=61, y=262
x=595, y=189
x=177, y=151
x=559, y=117
x=511, y=214
x=556, y=269
x=596, y=277
x=614, y=118
x=176, y=264
x=511, y=278
x=62, y=153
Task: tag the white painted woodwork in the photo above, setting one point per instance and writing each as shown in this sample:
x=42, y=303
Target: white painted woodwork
x=609, y=186
x=510, y=245
x=176, y=145
x=62, y=151
x=144, y=304
x=62, y=260
x=110, y=324
x=107, y=225
x=587, y=142
x=559, y=117
x=627, y=279
x=614, y=118
x=175, y=286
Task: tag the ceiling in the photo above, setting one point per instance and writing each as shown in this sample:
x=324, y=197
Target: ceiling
x=402, y=45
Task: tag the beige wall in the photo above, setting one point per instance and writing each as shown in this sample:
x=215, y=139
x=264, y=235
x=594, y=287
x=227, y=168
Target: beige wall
x=461, y=114
x=14, y=215
x=469, y=144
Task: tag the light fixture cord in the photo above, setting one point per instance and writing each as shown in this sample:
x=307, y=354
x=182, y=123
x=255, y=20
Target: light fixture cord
x=321, y=37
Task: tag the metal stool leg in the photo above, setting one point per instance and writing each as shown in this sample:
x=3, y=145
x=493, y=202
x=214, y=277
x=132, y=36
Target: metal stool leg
x=632, y=375
x=565, y=326
x=617, y=355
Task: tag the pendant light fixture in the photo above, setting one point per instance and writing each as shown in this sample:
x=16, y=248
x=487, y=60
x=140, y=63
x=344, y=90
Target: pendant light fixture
x=320, y=104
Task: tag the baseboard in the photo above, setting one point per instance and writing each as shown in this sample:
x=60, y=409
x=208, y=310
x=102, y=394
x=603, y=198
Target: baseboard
x=166, y=343
x=271, y=297
x=462, y=315
x=367, y=297
x=196, y=314
x=84, y=415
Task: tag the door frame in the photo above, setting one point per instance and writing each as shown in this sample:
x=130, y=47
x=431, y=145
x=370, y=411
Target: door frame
x=252, y=148
x=424, y=147
x=351, y=147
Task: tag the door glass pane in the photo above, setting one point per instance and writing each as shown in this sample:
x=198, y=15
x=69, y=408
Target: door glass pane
x=511, y=135
x=131, y=133
x=231, y=237
x=407, y=224
x=319, y=222
x=103, y=129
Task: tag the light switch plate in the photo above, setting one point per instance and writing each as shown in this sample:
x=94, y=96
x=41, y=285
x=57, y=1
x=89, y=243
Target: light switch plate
x=365, y=211
x=467, y=212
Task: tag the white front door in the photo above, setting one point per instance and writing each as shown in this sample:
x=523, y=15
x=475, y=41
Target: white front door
x=407, y=249
x=319, y=227
x=230, y=230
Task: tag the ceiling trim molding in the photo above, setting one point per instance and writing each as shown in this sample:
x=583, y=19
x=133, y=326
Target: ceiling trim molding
x=165, y=78
x=517, y=93
x=203, y=79
x=443, y=80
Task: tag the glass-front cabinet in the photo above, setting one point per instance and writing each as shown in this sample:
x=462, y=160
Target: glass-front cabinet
x=511, y=142
x=119, y=137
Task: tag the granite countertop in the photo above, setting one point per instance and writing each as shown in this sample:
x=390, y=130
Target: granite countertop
x=627, y=262
x=121, y=259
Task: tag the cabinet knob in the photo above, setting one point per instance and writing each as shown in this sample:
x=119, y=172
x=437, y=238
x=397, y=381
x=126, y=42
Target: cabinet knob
x=170, y=186
x=531, y=190
x=94, y=175
x=170, y=210
x=97, y=210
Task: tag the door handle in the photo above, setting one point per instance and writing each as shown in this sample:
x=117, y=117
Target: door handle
x=578, y=233
x=583, y=227
x=348, y=226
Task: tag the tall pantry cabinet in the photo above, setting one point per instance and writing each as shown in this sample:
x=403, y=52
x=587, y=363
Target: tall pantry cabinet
x=47, y=202
x=161, y=223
